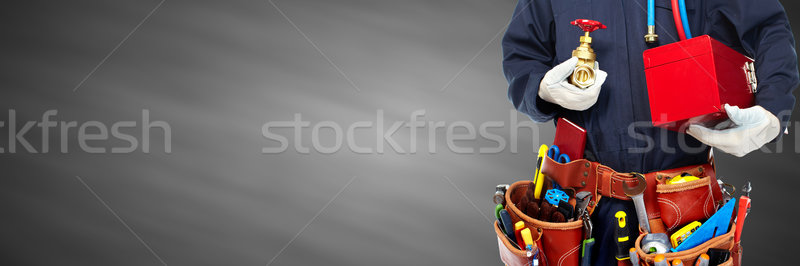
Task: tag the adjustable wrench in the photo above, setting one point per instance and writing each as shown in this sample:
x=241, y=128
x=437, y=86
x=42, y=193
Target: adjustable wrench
x=637, y=194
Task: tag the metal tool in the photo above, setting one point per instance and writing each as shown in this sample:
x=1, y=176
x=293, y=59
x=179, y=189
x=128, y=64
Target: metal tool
x=588, y=240
x=582, y=202
x=702, y=260
x=727, y=190
x=500, y=194
x=660, y=260
x=656, y=243
x=622, y=236
x=634, y=257
x=637, y=194
x=746, y=189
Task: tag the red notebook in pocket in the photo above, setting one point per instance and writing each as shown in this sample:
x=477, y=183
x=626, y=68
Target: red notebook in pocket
x=570, y=139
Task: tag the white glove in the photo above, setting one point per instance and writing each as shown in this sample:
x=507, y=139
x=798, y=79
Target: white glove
x=556, y=89
x=753, y=127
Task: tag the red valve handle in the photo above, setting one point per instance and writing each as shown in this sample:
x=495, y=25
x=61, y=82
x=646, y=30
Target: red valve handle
x=588, y=25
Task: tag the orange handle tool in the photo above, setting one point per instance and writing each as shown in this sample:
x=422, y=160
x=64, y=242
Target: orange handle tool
x=744, y=208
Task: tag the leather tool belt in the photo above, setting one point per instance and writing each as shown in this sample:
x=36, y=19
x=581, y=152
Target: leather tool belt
x=668, y=206
x=601, y=180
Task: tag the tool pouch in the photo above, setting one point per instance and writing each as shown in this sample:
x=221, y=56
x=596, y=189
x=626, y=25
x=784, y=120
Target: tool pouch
x=559, y=243
x=683, y=203
x=688, y=257
x=509, y=253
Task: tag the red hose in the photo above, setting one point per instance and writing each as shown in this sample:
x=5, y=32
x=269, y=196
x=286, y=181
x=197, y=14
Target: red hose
x=676, y=15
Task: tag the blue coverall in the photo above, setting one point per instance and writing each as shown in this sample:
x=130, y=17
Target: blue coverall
x=540, y=36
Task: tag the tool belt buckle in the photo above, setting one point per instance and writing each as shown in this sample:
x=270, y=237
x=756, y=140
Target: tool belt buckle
x=637, y=175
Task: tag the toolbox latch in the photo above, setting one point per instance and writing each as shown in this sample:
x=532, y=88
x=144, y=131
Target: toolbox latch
x=750, y=73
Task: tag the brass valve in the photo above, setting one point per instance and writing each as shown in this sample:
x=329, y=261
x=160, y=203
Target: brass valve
x=584, y=75
x=651, y=36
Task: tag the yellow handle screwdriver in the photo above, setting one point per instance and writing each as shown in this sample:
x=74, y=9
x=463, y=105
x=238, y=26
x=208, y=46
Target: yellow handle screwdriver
x=622, y=238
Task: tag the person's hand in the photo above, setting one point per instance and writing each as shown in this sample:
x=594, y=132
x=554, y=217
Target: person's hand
x=752, y=128
x=555, y=87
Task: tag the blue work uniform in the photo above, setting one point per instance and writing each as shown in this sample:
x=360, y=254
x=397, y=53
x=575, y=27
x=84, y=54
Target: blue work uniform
x=619, y=129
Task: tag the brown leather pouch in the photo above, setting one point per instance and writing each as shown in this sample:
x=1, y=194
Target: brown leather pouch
x=509, y=253
x=688, y=257
x=559, y=243
x=685, y=202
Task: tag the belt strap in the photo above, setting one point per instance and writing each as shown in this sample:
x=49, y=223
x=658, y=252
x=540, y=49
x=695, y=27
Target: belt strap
x=584, y=175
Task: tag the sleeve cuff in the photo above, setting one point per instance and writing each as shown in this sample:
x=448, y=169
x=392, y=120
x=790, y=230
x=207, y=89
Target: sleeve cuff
x=537, y=108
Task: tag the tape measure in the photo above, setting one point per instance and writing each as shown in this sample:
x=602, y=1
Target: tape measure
x=678, y=237
x=682, y=179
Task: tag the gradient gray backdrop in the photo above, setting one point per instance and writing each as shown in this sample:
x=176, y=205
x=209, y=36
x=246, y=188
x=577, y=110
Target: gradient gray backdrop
x=216, y=71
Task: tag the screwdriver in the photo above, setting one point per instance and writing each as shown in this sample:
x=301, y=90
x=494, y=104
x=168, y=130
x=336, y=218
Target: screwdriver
x=497, y=210
x=702, y=260
x=634, y=257
x=622, y=240
x=505, y=218
x=661, y=261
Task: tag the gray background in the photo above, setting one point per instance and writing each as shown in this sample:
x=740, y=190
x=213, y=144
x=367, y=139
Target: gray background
x=216, y=71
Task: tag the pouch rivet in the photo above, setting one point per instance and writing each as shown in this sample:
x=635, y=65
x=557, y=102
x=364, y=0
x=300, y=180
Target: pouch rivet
x=583, y=184
x=700, y=169
x=586, y=164
x=585, y=173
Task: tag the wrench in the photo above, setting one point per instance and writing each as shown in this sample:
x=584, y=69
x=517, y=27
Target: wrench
x=637, y=194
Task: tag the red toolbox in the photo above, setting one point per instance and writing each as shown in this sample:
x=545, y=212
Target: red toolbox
x=690, y=81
